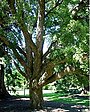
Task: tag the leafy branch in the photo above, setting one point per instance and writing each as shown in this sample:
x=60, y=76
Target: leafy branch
x=59, y=2
x=14, y=49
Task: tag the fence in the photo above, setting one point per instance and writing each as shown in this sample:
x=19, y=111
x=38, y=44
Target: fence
x=26, y=92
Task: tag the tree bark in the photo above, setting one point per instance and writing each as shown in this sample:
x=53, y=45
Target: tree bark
x=3, y=92
x=36, y=97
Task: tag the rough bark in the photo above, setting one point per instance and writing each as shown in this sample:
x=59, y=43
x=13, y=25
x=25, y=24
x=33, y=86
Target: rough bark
x=36, y=97
x=3, y=92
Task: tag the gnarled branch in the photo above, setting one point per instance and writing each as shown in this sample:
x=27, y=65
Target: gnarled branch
x=57, y=76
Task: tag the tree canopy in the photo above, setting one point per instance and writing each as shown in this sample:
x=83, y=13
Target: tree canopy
x=27, y=27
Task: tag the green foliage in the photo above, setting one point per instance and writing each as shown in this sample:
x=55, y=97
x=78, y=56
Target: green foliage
x=67, y=82
x=14, y=80
x=69, y=32
x=72, y=83
x=46, y=87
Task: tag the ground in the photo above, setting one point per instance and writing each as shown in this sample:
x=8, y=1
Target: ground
x=23, y=105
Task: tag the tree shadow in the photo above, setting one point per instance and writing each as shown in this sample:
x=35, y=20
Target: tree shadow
x=62, y=107
x=23, y=105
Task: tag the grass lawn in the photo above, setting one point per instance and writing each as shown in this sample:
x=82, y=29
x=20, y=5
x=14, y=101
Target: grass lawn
x=65, y=98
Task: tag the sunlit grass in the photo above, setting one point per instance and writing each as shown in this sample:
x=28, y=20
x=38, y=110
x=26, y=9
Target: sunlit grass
x=54, y=94
x=64, y=98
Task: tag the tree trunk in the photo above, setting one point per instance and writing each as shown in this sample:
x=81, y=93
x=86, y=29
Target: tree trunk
x=36, y=98
x=3, y=91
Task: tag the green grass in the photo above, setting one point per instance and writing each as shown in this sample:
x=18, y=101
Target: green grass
x=65, y=98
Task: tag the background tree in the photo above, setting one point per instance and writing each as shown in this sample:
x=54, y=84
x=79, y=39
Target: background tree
x=13, y=79
x=3, y=92
x=29, y=25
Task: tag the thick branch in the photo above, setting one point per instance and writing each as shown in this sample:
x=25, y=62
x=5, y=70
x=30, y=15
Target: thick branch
x=28, y=37
x=21, y=51
x=12, y=5
x=11, y=46
x=39, y=37
x=57, y=76
x=49, y=49
x=47, y=69
x=52, y=63
x=29, y=57
x=22, y=25
x=40, y=24
x=56, y=5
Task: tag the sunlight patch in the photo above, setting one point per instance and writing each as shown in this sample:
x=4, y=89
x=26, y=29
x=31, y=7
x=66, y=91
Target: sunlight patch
x=59, y=110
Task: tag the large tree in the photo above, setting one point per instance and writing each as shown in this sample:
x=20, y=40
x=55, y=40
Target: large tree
x=3, y=92
x=25, y=28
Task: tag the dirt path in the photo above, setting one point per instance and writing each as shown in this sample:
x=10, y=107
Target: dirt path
x=23, y=105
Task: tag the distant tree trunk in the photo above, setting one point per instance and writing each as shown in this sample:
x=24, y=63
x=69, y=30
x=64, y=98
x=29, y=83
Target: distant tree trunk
x=36, y=97
x=86, y=87
x=3, y=91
